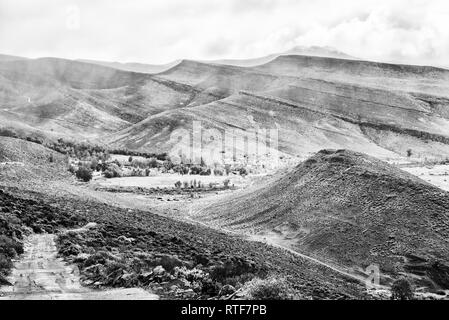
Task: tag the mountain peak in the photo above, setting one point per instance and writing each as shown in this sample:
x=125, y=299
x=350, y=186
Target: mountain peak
x=326, y=51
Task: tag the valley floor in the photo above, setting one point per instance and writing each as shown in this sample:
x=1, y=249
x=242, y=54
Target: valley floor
x=437, y=175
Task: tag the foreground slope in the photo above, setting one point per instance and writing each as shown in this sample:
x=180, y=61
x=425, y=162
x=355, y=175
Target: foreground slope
x=353, y=210
x=58, y=203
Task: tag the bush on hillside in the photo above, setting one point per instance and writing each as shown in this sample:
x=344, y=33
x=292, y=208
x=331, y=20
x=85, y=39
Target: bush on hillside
x=84, y=174
x=271, y=288
x=409, y=153
x=152, y=163
x=113, y=171
x=94, y=164
x=402, y=290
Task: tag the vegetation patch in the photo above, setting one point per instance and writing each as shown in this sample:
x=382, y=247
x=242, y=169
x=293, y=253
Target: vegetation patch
x=19, y=217
x=107, y=256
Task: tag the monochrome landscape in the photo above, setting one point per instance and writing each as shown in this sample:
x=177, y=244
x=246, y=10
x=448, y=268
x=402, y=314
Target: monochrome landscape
x=308, y=173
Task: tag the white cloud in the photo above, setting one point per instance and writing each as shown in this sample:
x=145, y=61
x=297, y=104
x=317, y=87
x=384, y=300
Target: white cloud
x=409, y=31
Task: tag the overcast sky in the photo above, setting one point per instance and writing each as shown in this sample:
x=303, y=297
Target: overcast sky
x=159, y=31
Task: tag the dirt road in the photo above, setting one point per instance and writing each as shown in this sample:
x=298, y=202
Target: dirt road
x=40, y=274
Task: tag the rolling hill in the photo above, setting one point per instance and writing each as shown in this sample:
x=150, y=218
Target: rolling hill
x=7, y=57
x=408, y=78
x=24, y=163
x=84, y=101
x=134, y=66
x=315, y=102
x=395, y=220
x=310, y=114
x=315, y=51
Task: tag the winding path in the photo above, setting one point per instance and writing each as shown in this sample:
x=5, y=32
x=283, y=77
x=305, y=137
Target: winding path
x=359, y=278
x=41, y=275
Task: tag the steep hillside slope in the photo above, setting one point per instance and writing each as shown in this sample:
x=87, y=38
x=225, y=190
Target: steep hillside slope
x=81, y=100
x=223, y=80
x=380, y=109
x=396, y=107
x=308, y=117
x=350, y=209
x=300, y=131
x=24, y=163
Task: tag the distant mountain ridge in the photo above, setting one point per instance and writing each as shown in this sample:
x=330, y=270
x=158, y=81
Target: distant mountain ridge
x=7, y=58
x=155, y=68
x=314, y=51
x=134, y=66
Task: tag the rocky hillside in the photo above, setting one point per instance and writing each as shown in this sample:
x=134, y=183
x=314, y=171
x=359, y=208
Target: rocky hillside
x=126, y=245
x=353, y=210
x=315, y=102
x=27, y=164
x=74, y=99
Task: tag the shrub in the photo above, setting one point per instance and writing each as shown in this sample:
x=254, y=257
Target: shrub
x=84, y=174
x=152, y=163
x=108, y=174
x=234, y=267
x=243, y=171
x=181, y=169
x=190, y=274
x=271, y=288
x=168, y=165
x=94, y=164
x=10, y=247
x=72, y=169
x=167, y=261
x=113, y=171
x=207, y=172
x=5, y=264
x=401, y=290
x=196, y=170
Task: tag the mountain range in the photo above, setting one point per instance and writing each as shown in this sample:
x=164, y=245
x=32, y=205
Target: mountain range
x=314, y=102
